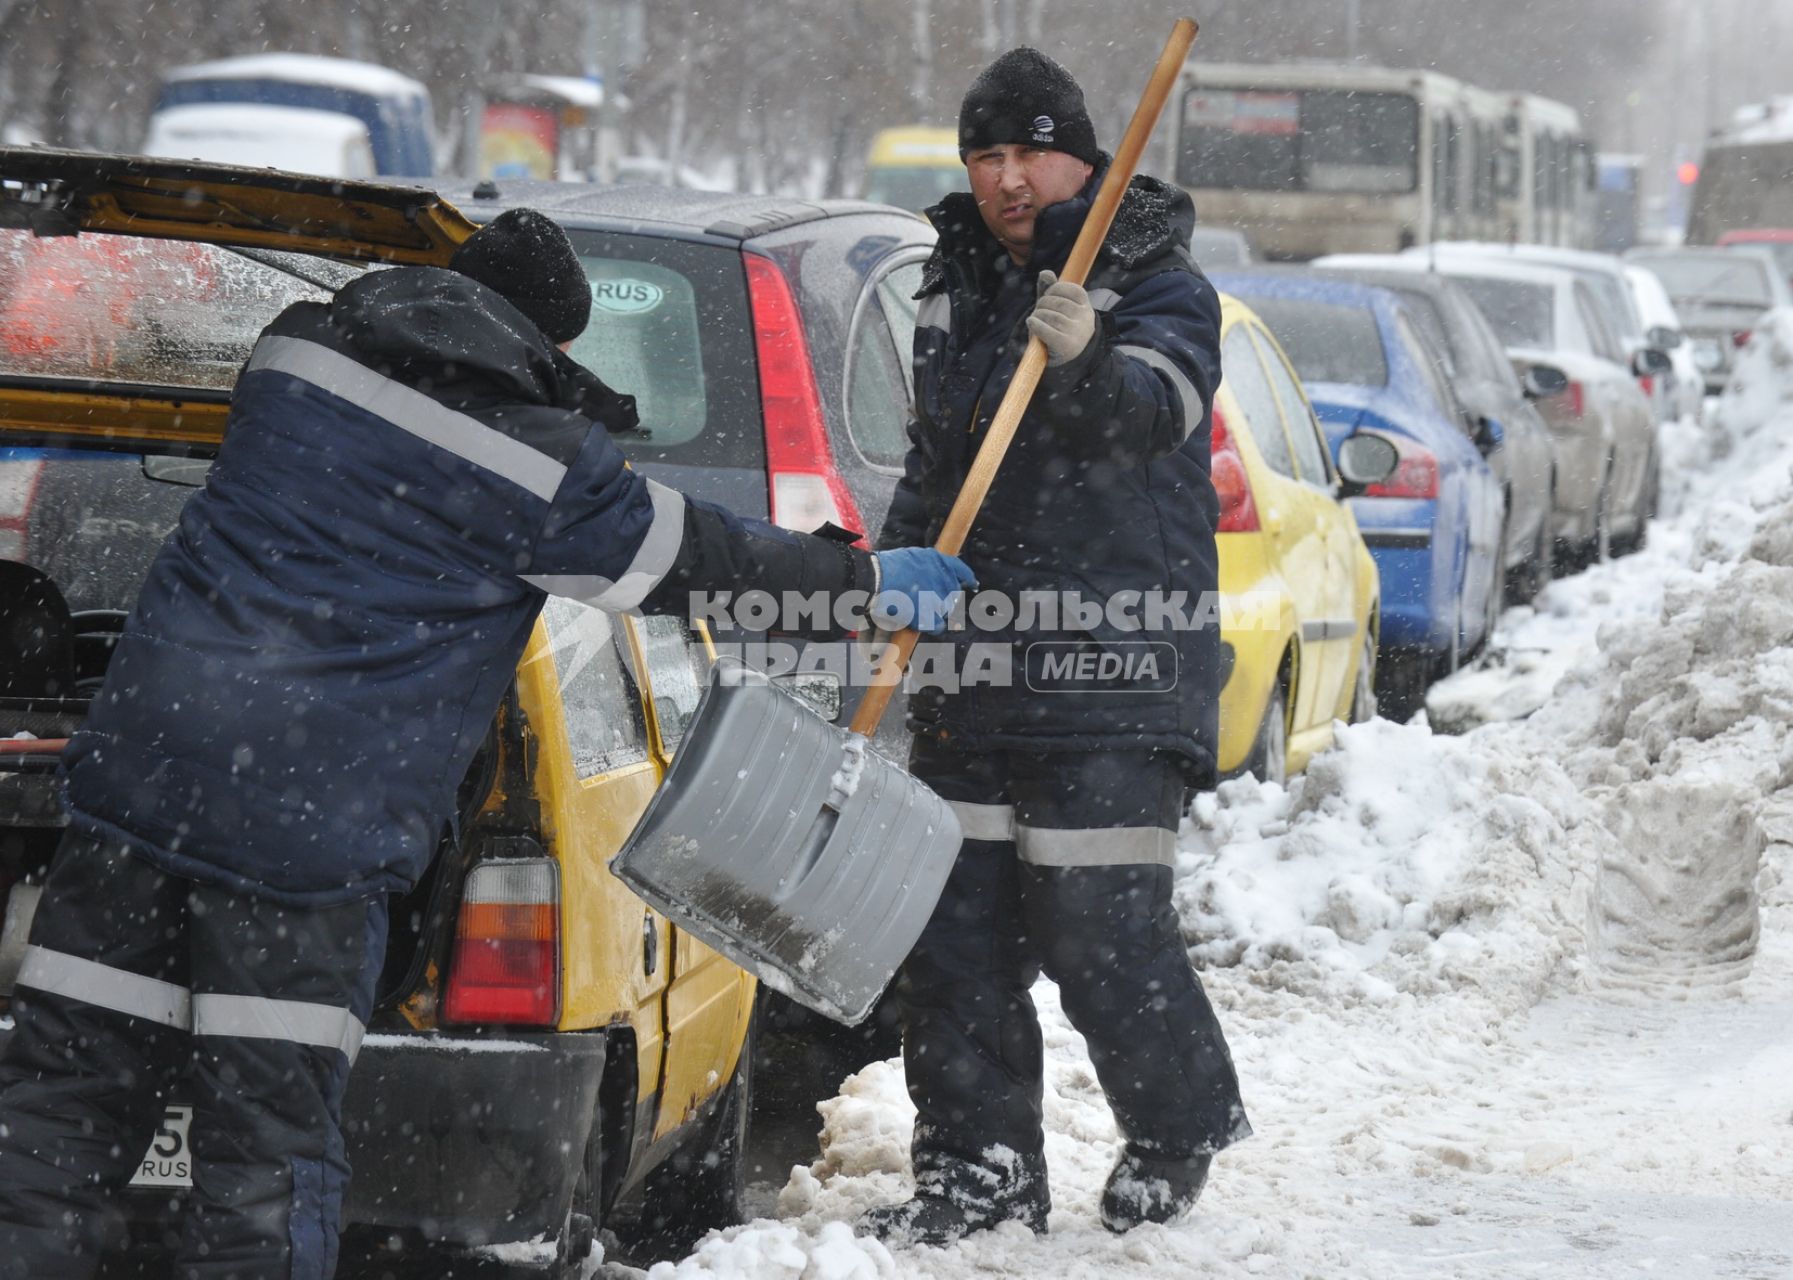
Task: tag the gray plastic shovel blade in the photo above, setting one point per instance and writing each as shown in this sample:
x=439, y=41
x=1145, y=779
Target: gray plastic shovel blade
x=754, y=846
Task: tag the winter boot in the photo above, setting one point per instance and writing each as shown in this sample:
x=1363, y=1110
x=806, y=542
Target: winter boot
x=1151, y=1188
x=955, y=1197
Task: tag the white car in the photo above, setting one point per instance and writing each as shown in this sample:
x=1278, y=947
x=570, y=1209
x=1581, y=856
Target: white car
x=1604, y=275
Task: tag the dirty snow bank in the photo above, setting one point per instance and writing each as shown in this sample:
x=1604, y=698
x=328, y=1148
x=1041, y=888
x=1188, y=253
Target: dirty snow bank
x=1509, y=1002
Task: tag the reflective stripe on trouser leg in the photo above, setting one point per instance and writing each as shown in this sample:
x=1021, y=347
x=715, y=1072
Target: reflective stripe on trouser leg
x=972, y=1051
x=85, y=1076
x=1108, y=935
x=279, y=995
x=1098, y=847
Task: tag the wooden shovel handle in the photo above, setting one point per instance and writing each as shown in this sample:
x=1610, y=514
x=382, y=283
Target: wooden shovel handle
x=895, y=658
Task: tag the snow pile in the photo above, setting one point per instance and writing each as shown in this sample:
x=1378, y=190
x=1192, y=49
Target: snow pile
x=1509, y=1002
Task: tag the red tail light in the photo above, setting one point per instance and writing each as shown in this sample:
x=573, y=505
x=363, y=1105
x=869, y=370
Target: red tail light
x=506, y=965
x=806, y=488
x=1238, y=513
x=1574, y=400
x=1740, y=339
x=1648, y=382
x=1415, y=475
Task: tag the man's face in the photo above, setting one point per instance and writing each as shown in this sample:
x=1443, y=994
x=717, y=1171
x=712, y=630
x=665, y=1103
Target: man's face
x=1012, y=183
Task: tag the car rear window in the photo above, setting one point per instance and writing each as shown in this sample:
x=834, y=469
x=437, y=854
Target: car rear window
x=1713, y=277
x=1519, y=312
x=1326, y=341
x=119, y=309
x=670, y=325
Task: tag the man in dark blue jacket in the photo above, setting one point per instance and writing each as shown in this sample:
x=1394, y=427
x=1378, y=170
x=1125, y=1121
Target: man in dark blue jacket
x=408, y=472
x=1069, y=776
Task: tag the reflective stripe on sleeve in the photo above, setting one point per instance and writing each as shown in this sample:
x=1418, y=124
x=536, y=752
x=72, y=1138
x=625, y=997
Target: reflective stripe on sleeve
x=984, y=821
x=653, y=560
x=320, y=1026
x=106, y=987
x=1103, y=299
x=1099, y=847
x=410, y=410
x=1179, y=381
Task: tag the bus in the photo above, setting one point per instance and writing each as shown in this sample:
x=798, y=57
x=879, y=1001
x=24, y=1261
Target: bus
x=1553, y=197
x=1315, y=158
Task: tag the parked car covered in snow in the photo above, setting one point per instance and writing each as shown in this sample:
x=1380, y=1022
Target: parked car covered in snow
x=1719, y=294
x=1435, y=525
x=1604, y=275
x=547, y=1053
x=1488, y=390
x=1686, y=384
x=1607, y=459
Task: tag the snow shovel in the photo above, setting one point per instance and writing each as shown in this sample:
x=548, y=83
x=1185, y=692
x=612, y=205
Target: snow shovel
x=789, y=845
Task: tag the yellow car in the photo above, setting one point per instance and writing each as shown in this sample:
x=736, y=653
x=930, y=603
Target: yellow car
x=1299, y=592
x=547, y=1053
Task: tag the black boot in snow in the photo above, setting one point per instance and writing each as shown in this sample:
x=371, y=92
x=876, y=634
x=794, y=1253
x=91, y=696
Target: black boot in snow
x=1148, y=1188
x=954, y=1198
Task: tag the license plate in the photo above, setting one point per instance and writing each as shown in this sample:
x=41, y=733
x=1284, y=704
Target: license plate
x=169, y=1160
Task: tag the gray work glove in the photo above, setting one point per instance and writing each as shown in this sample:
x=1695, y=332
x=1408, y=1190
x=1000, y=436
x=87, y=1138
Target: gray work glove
x=1062, y=318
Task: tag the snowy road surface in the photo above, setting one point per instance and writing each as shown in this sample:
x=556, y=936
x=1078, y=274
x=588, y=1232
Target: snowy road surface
x=1511, y=1001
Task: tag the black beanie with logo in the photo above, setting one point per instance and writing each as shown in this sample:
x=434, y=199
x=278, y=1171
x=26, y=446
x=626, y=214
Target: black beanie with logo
x=1026, y=98
x=527, y=259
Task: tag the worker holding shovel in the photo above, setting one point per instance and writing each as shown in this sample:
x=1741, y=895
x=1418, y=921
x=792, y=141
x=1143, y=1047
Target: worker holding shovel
x=1069, y=777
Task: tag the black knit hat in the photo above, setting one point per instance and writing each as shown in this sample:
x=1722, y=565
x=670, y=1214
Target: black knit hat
x=525, y=257
x=1026, y=97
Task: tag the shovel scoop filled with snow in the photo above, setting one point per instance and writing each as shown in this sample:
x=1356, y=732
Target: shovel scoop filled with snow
x=791, y=847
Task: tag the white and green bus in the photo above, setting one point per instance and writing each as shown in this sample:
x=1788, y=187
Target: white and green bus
x=1314, y=158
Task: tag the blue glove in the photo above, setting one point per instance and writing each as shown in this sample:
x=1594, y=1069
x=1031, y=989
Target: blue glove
x=917, y=587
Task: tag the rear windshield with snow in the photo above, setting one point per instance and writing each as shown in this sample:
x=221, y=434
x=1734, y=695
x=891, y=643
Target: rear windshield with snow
x=1327, y=342
x=1712, y=277
x=1519, y=312
x=119, y=309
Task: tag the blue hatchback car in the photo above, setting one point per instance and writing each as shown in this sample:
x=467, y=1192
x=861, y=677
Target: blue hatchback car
x=1435, y=527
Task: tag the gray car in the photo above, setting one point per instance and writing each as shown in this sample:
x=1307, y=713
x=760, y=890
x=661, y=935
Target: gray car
x=1719, y=294
x=1488, y=391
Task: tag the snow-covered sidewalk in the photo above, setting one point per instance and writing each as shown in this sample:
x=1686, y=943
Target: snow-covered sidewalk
x=1515, y=1000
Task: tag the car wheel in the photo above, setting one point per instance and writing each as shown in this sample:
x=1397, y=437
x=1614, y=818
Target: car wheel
x=1363, y=689
x=1402, y=677
x=1270, y=754
x=703, y=1186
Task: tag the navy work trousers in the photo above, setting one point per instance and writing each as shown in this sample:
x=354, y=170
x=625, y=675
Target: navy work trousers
x=140, y=990
x=1066, y=868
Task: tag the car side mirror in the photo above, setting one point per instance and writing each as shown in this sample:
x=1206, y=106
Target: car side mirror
x=1365, y=460
x=1650, y=361
x=1663, y=337
x=1541, y=381
x=1489, y=435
